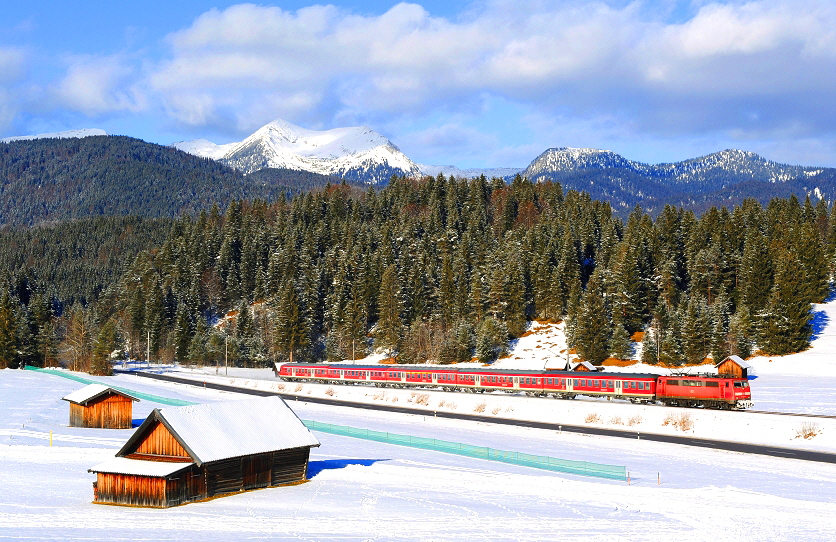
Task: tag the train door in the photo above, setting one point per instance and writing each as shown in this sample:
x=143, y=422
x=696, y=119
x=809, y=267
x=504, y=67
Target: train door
x=618, y=387
x=516, y=382
x=570, y=384
x=368, y=375
x=435, y=378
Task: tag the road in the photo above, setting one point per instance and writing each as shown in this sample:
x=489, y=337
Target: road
x=791, y=453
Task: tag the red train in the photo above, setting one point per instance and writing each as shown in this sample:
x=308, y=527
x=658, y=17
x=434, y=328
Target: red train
x=717, y=391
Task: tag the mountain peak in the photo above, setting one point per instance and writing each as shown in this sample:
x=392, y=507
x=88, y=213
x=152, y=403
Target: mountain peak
x=356, y=153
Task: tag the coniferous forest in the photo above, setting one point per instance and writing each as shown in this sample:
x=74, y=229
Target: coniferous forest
x=437, y=270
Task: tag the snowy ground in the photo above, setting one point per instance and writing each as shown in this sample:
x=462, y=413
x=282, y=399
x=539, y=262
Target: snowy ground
x=361, y=490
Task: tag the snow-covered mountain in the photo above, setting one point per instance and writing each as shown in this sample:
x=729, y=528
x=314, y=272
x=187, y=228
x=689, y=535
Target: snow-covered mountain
x=84, y=132
x=721, y=178
x=356, y=154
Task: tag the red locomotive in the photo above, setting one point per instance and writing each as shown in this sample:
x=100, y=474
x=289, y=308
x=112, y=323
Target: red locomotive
x=718, y=391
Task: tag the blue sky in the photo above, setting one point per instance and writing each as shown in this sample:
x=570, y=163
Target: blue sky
x=475, y=84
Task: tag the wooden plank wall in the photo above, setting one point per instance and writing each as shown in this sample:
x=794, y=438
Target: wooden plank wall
x=76, y=415
x=159, y=441
x=289, y=466
x=729, y=367
x=130, y=490
x=197, y=483
x=109, y=412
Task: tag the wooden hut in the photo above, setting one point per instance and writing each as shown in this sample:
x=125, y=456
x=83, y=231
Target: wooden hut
x=582, y=366
x=733, y=366
x=185, y=454
x=97, y=405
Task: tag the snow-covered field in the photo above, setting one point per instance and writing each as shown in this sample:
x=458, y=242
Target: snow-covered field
x=363, y=490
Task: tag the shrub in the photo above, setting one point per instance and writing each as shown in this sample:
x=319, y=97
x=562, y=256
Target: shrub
x=807, y=430
x=616, y=420
x=634, y=420
x=592, y=417
x=480, y=407
x=681, y=421
x=330, y=392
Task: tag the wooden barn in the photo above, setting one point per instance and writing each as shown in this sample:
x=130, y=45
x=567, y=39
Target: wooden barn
x=97, y=405
x=191, y=453
x=733, y=366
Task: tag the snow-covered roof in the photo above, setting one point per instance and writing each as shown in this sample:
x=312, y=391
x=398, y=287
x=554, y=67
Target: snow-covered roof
x=215, y=431
x=586, y=364
x=92, y=391
x=123, y=465
x=736, y=359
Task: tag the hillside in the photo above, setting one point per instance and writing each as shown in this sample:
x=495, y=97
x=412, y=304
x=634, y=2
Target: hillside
x=76, y=259
x=48, y=180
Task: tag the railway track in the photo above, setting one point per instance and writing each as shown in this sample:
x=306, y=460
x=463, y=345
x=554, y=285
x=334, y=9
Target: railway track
x=774, y=451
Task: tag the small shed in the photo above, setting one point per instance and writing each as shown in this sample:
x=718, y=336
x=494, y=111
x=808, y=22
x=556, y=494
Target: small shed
x=583, y=366
x=185, y=454
x=733, y=366
x=97, y=405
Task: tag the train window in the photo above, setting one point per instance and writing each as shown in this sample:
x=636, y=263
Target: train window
x=640, y=385
x=741, y=384
x=713, y=384
x=673, y=383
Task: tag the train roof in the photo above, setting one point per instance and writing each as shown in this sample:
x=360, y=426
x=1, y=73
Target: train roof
x=419, y=368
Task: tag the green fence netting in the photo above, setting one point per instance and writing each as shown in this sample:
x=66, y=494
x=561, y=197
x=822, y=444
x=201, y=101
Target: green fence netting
x=137, y=394
x=583, y=468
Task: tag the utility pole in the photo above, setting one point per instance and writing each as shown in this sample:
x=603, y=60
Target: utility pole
x=226, y=355
x=148, y=350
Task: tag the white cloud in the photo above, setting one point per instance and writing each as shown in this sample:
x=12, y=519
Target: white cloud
x=96, y=85
x=248, y=64
x=12, y=70
x=12, y=61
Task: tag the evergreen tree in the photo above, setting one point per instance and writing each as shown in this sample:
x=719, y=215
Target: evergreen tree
x=621, y=346
x=8, y=346
x=491, y=340
x=105, y=344
x=786, y=326
x=593, y=326
x=388, y=333
x=291, y=332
